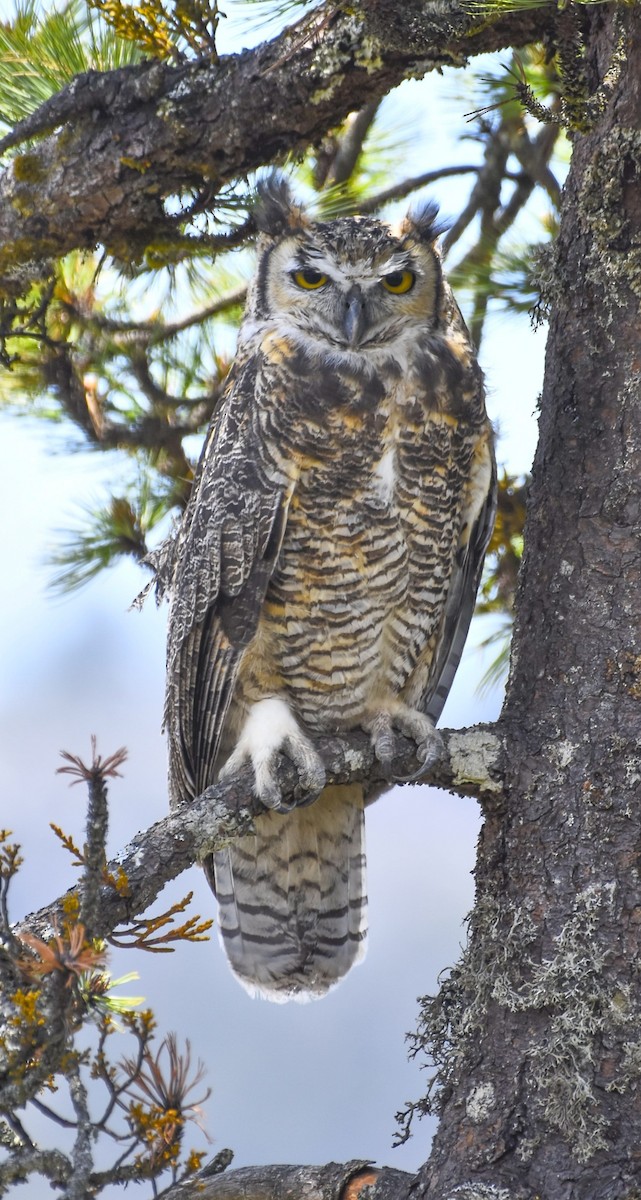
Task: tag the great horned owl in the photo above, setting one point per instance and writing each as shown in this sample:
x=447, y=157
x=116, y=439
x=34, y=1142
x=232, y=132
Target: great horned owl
x=325, y=572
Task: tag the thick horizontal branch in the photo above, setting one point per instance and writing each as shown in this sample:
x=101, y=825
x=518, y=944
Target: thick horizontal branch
x=470, y=765
x=335, y=1181
x=128, y=139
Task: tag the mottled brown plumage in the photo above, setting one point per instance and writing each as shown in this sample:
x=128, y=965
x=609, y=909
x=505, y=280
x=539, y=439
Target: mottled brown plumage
x=325, y=572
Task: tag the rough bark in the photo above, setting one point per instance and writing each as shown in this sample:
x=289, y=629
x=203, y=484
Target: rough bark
x=130, y=138
x=335, y=1181
x=540, y=1080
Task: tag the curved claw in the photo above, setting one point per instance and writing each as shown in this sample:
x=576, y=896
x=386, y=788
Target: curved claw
x=311, y=771
x=429, y=752
x=271, y=729
x=382, y=738
x=412, y=724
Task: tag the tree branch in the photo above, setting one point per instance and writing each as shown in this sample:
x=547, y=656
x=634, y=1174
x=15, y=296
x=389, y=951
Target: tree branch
x=397, y=191
x=350, y=145
x=336, y=1181
x=471, y=765
x=130, y=138
x=152, y=332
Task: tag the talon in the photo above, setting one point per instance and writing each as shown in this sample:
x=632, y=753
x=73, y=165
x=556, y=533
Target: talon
x=430, y=750
x=382, y=737
x=270, y=729
x=412, y=724
x=267, y=788
x=307, y=761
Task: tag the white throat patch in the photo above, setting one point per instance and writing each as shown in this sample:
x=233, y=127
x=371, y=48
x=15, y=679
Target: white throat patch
x=384, y=475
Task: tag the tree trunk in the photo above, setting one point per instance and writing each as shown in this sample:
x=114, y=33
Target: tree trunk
x=536, y=1034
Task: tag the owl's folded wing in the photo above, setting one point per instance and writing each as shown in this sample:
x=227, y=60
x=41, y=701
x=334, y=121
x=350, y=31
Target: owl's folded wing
x=476, y=529
x=222, y=561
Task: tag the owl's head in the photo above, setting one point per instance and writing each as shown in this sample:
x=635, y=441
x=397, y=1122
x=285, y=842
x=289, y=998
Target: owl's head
x=352, y=283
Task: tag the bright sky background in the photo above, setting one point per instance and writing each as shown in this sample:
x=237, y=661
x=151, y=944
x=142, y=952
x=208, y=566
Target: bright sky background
x=293, y=1083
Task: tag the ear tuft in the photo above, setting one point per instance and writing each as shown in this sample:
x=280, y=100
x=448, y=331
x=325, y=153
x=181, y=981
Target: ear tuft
x=275, y=211
x=422, y=223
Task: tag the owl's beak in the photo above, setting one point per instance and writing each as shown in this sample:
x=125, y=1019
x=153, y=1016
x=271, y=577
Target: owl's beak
x=354, y=318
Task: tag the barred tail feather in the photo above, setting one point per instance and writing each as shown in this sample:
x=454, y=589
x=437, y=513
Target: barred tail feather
x=292, y=899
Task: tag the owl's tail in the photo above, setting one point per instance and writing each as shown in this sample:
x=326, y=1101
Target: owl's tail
x=292, y=899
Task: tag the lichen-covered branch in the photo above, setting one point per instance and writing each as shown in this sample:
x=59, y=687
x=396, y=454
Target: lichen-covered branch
x=126, y=140
x=335, y=1181
x=470, y=765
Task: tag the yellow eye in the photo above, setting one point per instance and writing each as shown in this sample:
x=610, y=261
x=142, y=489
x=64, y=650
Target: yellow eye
x=398, y=282
x=309, y=279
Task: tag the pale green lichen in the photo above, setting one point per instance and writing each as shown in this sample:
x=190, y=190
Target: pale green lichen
x=573, y=987
x=368, y=55
x=597, y=103
x=446, y=58
x=479, y=1191
x=332, y=59
x=582, y=1001
x=475, y=758
x=630, y=1071
x=601, y=205
x=480, y=1102
x=451, y=1023
x=326, y=93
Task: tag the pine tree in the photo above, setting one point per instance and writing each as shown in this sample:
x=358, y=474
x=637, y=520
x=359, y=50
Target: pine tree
x=531, y=1038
